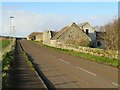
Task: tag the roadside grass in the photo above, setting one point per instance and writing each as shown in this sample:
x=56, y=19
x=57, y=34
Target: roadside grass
x=103, y=60
x=37, y=42
x=6, y=63
x=4, y=43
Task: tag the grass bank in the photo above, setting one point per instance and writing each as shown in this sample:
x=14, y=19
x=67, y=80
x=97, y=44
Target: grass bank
x=103, y=60
x=6, y=63
x=22, y=54
x=4, y=43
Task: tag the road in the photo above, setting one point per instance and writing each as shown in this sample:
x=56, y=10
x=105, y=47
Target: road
x=66, y=71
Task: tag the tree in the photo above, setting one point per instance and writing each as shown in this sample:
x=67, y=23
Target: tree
x=111, y=35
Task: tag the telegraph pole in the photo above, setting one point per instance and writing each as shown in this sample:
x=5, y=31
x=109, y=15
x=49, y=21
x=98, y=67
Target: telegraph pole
x=13, y=34
x=11, y=30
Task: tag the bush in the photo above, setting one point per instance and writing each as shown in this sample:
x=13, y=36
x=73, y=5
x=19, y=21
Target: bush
x=6, y=62
x=4, y=43
x=111, y=35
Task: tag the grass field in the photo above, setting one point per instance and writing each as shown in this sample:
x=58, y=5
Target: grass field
x=4, y=43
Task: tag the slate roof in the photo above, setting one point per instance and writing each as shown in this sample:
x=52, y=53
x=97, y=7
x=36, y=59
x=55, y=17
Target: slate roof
x=63, y=30
x=33, y=34
x=82, y=24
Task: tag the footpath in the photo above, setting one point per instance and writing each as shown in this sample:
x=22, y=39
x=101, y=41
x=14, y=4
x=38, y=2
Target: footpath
x=21, y=73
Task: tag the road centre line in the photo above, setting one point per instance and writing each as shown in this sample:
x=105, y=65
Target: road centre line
x=76, y=67
x=60, y=59
x=115, y=84
x=64, y=61
x=86, y=71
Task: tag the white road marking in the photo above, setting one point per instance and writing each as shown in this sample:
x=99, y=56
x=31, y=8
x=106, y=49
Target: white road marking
x=115, y=84
x=86, y=71
x=64, y=61
x=76, y=66
x=41, y=80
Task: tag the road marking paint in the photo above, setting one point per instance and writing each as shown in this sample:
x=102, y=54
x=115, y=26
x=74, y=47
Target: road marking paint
x=115, y=84
x=64, y=61
x=86, y=71
x=41, y=79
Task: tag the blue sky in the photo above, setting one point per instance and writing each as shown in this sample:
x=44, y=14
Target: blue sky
x=38, y=16
x=84, y=8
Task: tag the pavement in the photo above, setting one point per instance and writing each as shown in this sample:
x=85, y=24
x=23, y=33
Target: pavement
x=21, y=74
x=66, y=71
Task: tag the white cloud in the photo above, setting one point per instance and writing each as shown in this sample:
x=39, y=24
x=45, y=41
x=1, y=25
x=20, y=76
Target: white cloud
x=27, y=22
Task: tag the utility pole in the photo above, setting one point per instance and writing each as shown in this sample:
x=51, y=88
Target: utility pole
x=13, y=34
x=11, y=30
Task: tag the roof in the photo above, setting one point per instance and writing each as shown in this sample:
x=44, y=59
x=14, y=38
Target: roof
x=63, y=30
x=82, y=24
x=35, y=33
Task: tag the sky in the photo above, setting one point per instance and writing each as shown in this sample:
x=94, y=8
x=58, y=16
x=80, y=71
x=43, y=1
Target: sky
x=40, y=16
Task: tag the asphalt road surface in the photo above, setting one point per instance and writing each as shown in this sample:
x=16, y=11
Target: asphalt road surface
x=66, y=71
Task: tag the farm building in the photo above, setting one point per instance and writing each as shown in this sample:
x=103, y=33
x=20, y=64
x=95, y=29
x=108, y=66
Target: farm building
x=90, y=31
x=37, y=36
x=71, y=35
x=100, y=39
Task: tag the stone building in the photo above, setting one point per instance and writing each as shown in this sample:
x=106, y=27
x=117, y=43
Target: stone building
x=39, y=37
x=100, y=39
x=36, y=36
x=90, y=31
x=71, y=35
x=47, y=38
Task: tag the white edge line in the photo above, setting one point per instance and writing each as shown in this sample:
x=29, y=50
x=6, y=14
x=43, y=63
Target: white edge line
x=41, y=79
x=64, y=61
x=115, y=84
x=86, y=71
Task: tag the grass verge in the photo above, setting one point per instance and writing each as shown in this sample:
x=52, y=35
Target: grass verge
x=103, y=60
x=6, y=63
x=22, y=54
x=4, y=43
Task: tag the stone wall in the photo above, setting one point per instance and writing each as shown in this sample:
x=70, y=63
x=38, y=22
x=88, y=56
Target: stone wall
x=46, y=38
x=92, y=51
x=39, y=37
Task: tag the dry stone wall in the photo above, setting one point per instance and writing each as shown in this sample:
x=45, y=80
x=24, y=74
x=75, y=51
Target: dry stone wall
x=92, y=51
